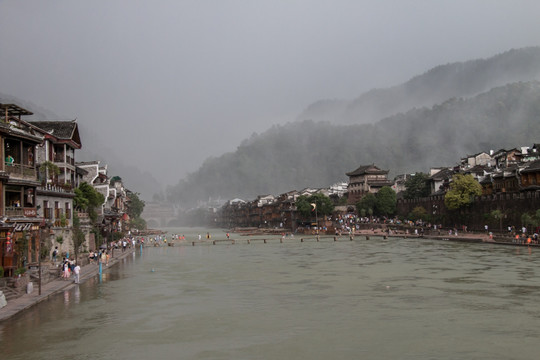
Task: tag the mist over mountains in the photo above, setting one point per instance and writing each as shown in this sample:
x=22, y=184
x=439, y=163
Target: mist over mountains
x=432, y=120
x=463, y=79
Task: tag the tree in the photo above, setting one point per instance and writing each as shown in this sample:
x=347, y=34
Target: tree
x=386, y=201
x=323, y=203
x=498, y=215
x=134, y=210
x=138, y=223
x=536, y=218
x=78, y=236
x=48, y=170
x=303, y=206
x=526, y=220
x=418, y=213
x=367, y=203
x=80, y=201
x=463, y=188
x=93, y=198
x=417, y=186
x=325, y=206
x=135, y=205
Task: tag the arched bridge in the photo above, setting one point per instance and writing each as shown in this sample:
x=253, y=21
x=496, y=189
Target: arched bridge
x=159, y=215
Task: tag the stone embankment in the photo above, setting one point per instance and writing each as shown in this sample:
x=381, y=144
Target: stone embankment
x=18, y=304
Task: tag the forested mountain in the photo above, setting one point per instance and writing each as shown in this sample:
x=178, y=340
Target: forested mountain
x=316, y=154
x=463, y=79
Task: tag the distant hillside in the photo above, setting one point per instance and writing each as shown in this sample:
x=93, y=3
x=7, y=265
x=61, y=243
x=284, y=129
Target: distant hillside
x=317, y=154
x=463, y=79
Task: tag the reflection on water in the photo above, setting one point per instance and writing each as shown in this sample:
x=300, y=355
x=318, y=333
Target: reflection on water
x=382, y=298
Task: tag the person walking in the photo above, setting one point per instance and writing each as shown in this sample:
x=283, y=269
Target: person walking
x=54, y=254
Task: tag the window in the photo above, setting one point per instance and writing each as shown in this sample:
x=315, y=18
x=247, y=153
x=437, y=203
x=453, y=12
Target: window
x=13, y=196
x=68, y=210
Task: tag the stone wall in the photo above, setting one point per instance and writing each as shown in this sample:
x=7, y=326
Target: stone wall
x=476, y=216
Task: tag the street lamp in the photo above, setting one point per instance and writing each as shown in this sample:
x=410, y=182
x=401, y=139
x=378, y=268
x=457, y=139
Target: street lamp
x=39, y=262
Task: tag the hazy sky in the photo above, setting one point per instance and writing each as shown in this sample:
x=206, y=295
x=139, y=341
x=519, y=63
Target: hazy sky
x=168, y=83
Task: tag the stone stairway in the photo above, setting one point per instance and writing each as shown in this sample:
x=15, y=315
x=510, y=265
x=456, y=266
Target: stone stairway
x=10, y=293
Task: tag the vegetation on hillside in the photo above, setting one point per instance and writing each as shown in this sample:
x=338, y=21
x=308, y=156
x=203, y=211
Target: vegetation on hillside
x=318, y=154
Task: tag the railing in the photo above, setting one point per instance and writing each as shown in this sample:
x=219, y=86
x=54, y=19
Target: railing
x=56, y=187
x=59, y=158
x=21, y=211
x=20, y=170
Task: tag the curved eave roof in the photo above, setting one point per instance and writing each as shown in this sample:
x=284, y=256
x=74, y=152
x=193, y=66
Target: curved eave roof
x=367, y=169
x=60, y=132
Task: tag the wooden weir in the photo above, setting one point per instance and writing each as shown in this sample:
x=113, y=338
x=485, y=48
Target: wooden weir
x=265, y=240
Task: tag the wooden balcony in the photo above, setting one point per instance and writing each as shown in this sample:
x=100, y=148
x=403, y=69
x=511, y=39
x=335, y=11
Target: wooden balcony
x=21, y=171
x=56, y=187
x=21, y=211
x=59, y=160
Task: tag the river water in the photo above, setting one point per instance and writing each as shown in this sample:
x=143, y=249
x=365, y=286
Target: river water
x=361, y=299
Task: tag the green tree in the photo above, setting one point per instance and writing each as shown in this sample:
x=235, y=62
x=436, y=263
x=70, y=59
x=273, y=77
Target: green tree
x=536, y=218
x=135, y=205
x=497, y=215
x=418, y=213
x=386, y=201
x=323, y=203
x=48, y=170
x=463, y=188
x=325, y=206
x=527, y=220
x=93, y=198
x=367, y=203
x=79, y=201
x=138, y=223
x=78, y=236
x=303, y=206
x=417, y=186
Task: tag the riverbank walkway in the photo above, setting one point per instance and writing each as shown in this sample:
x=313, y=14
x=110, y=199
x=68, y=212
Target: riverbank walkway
x=26, y=301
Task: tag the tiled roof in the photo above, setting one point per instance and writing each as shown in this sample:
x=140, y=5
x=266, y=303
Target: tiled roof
x=59, y=129
x=367, y=169
x=443, y=174
x=533, y=167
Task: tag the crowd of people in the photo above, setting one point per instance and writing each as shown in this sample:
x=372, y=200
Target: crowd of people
x=69, y=268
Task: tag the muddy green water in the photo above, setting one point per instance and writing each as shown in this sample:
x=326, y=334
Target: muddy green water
x=365, y=299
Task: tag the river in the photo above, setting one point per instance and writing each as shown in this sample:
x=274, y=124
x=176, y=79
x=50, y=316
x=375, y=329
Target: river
x=362, y=299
